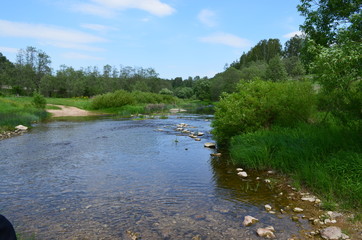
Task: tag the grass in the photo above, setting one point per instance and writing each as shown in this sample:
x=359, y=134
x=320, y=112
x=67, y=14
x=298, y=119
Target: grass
x=326, y=159
x=13, y=113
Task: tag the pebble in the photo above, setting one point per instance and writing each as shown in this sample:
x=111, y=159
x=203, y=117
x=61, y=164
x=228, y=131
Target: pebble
x=267, y=232
x=268, y=207
x=331, y=233
x=249, y=220
x=297, y=210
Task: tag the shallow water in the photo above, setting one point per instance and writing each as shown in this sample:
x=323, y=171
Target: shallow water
x=109, y=179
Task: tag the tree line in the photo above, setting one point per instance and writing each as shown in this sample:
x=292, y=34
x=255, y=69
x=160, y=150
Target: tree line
x=32, y=72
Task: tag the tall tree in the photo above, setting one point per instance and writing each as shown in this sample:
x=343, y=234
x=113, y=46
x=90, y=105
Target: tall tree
x=324, y=19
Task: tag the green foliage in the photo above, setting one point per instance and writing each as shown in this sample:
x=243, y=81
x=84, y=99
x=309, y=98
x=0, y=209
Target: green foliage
x=325, y=19
x=328, y=160
x=276, y=70
x=224, y=82
x=338, y=71
x=13, y=113
x=166, y=91
x=122, y=98
x=184, y=92
x=260, y=104
x=202, y=89
x=39, y=100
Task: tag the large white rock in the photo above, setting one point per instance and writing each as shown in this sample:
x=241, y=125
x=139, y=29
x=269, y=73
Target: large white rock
x=242, y=174
x=267, y=232
x=249, y=220
x=331, y=233
x=21, y=127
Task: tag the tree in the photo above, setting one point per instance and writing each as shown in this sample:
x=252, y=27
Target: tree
x=202, y=89
x=6, y=71
x=293, y=47
x=276, y=70
x=324, y=19
x=32, y=64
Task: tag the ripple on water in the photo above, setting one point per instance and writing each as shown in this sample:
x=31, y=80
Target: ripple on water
x=99, y=179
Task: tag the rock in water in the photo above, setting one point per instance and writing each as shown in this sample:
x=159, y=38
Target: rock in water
x=267, y=232
x=210, y=145
x=331, y=233
x=249, y=220
x=242, y=174
x=268, y=207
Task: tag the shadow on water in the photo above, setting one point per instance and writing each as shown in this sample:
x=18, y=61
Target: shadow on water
x=113, y=179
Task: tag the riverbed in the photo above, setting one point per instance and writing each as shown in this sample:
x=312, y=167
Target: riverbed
x=117, y=179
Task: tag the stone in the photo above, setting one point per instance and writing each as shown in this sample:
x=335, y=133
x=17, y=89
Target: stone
x=267, y=180
x=268, y=207
x=210, y=145
x=200, y=134
x=21, y=127
x=309, y=199
x=242, y=174
x=197, y=139
x=267, y=232
x=249, y=220
x=297, y=210
x=331, y=233
x=345, y=236
x=334, y=215
x=215, y=154
x=239, y=169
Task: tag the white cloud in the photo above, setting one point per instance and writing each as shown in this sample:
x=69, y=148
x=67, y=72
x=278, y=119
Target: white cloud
x=74, y=55
x=9, y=49
x=45, y=32
x=207, y=17
x=108, y=8
x=94, y=9
x=226, y=39
x=292, y=34
x=98, y=27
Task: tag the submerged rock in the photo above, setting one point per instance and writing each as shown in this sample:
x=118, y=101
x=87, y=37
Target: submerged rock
x=215, y=154
x=249, y=220
x=267, y=232
x=331, y=233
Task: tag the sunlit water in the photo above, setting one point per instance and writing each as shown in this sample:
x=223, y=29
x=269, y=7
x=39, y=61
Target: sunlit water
x=108, y=179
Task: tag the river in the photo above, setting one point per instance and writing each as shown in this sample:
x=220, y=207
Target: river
x=112, y=178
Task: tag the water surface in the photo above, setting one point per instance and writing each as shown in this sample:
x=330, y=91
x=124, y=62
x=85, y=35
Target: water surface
x=108, y=179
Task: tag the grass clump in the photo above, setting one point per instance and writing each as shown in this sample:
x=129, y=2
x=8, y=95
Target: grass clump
x=13, y=113
x=326, y=159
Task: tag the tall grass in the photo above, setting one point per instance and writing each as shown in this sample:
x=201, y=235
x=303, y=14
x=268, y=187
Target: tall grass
x=326, y=159
x=13, y=113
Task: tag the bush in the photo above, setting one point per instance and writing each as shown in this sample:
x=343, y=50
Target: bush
x=122, y=98
x=327, y=159
x=261, y=104
x=39, y=100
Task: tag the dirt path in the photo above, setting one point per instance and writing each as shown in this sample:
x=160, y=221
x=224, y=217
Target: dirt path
x=67, y=111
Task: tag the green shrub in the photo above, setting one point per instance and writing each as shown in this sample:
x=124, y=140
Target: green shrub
x=262, y=104
x=122, y=98
x=39, y=100
x=327, y=159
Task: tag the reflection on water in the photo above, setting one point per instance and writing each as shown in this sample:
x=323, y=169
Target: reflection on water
x=104, y=179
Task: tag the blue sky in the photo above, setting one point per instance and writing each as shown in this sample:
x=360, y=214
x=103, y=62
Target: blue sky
x=178, y=38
